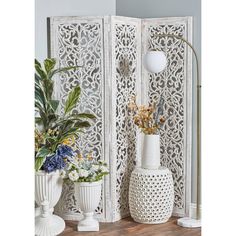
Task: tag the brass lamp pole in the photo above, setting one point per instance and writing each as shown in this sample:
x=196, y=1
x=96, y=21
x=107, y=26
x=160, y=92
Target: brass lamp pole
x=188, y=222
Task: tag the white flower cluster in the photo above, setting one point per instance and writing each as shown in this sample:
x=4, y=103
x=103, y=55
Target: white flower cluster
x=73, y=175
x=83, y=173
x=85, y=170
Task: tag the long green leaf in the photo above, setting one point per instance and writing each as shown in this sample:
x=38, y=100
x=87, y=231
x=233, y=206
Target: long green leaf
x=72, y=99
x=38, y=85
x=72, y=125
x=40, y=71
x=53, y=116
x=38, y=106
x=40, y=94
x=62, y=124
x=68, y=133
x=37, y=79
x=83, y=124
x=36, y=62
x=68, y=119
x=49, y=64
x=43, y=152
x=43, y=115
x=40, y=157
x=54, y=104
x=39, y=97
x=67, y=126
x=38, y=120
x=64, y=69
x=48, y=88
x=83, y=115
x=39, y=162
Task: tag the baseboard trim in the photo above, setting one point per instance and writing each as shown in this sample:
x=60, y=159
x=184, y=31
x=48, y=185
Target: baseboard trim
x=76, y=217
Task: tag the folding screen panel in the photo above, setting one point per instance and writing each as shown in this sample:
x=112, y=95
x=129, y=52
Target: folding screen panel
x=175, y=85
x=79, y=41
x=125, y=73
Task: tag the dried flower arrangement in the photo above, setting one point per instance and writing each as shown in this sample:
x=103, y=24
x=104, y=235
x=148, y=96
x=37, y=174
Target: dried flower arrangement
x=149, y=118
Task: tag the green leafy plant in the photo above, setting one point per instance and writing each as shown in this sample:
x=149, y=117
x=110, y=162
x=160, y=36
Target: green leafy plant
x=51, y=129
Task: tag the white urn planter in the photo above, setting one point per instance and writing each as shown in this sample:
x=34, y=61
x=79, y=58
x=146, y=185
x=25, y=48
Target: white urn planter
x=88, y=195
x=48, y=187
x=151, y=152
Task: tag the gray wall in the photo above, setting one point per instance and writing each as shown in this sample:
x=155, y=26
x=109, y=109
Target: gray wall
x=46, y=8
x=168, y=8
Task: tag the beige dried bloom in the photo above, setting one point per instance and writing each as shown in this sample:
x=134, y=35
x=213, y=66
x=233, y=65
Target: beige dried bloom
x=146, y=117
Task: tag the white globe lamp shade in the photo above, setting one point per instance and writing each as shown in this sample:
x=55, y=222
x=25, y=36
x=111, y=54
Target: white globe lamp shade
x=155, y=61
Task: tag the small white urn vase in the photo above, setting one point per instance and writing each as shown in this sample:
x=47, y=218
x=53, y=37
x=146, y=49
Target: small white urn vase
x=48, y=187
x=151, y=152
x=88, y=195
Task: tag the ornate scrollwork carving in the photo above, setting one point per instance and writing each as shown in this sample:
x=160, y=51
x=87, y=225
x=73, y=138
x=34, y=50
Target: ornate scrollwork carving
x=126, y=57
x=170, y=84
x=81, y=43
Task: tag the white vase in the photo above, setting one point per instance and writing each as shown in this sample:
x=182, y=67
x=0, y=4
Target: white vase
x=88, y=195
x=151, y=152
x=48, y=187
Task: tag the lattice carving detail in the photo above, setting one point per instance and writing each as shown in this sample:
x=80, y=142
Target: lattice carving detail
x=170, y=84
x=82, y=44
x=126, y=76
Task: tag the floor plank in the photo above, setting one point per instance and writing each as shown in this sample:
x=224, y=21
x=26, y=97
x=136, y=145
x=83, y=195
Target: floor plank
x=128, y=227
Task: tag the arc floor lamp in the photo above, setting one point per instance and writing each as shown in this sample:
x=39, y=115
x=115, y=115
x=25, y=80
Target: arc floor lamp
x=155, y=62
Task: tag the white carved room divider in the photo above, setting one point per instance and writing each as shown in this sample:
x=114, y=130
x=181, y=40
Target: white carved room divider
x=110, y=50
x=174, y=84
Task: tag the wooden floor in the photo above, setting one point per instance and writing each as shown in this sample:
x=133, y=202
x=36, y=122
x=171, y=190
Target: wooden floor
x=128, y=227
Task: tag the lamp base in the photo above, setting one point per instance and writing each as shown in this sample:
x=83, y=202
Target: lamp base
x=188, y=222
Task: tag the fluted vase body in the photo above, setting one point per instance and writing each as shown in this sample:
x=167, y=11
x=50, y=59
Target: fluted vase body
x=48, y=188
x=88, y=195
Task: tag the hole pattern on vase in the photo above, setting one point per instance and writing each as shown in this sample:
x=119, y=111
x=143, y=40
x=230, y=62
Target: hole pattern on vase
x=151, y=196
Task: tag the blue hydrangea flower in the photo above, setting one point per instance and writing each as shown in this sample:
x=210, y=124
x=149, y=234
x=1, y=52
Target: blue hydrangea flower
x=65, y=151
x=54, y=162
x=57, y=160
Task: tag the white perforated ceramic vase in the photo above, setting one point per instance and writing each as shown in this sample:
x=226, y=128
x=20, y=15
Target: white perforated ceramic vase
x=48, y=187
x=151, y=152
x=88, y=195
x=151, y=195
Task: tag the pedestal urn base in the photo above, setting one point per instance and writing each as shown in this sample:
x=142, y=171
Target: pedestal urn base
x=88, y=195
x=88, y=223
x=50, y=226
x=48, y=187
